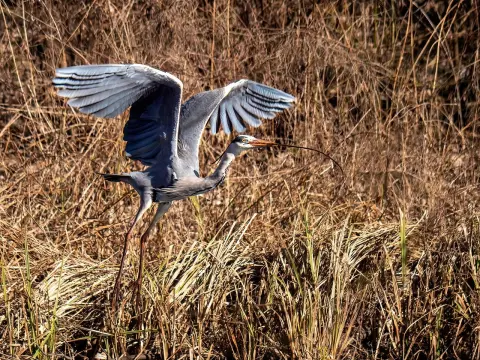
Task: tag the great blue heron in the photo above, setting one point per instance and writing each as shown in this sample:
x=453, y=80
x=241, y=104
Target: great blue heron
x=164, y=134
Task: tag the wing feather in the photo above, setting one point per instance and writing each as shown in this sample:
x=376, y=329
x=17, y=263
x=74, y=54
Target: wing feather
x=108, y=90
x=262, y=108
x=249, y=118
x=253, y=101
x=232, y=116
x=224, y=119
x=214, y=121
x=99, y=70
x=117, y=107
x=93, y=104
x=140, y=133
x=101, y=94
x=257, y=112
x=142, y=145
x=241, y=103
x=278, y=106
x=269, y=92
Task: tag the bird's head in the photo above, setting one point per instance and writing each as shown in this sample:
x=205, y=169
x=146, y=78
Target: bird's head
x=246, y=142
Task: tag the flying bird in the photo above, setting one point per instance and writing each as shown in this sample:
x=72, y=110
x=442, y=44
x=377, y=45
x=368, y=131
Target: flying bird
x=164, y=134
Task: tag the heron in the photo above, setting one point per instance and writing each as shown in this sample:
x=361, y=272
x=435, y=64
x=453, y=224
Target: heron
x=164, y=134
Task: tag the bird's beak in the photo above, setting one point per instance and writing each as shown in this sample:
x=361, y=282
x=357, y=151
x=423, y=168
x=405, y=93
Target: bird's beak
x=262, y=143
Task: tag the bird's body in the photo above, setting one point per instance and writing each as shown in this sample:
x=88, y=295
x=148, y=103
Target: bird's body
x=165, y=134
x=176, y=188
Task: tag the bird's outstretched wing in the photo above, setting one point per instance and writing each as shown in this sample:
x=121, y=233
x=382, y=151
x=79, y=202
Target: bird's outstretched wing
x=233, y=107
x=108, y=90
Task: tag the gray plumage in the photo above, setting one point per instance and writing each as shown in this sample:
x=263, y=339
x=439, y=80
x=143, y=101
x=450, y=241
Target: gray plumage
x=164, y=134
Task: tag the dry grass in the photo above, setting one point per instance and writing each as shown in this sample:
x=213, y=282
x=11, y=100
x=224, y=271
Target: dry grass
x=286, y=260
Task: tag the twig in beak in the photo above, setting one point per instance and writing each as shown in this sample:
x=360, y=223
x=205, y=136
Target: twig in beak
x=317, y=151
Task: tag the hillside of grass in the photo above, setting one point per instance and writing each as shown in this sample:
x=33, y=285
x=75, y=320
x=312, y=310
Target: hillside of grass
x=292, y=258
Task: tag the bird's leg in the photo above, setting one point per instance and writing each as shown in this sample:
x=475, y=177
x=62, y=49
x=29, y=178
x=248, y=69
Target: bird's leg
x=161, y=210
x=145, y=203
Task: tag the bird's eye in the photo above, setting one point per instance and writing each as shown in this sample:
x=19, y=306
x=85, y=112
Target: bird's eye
x=244, y=141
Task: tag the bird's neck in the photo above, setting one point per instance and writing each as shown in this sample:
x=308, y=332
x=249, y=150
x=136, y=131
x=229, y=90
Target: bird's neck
x=222, y=168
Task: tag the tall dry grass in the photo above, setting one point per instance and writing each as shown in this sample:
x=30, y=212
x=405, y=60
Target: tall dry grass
x=288, y=259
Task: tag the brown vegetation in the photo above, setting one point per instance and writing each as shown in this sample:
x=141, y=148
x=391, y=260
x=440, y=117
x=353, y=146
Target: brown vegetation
x=287, y=260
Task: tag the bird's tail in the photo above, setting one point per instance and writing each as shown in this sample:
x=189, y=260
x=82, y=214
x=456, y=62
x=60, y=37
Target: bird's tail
x=116, y=177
